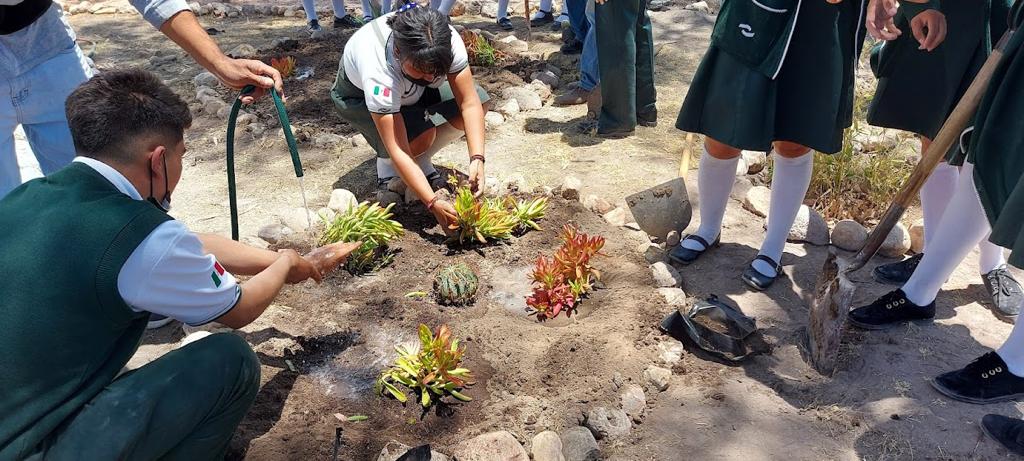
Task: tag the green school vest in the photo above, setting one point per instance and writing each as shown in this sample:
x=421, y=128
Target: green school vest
x=66, y=331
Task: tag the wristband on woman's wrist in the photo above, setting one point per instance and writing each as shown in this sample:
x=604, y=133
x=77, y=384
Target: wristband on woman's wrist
x=432, y=202
x=479, y=157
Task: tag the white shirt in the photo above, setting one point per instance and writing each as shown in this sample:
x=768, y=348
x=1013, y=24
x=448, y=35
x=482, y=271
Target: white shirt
x=169, y=274
x=371, y=65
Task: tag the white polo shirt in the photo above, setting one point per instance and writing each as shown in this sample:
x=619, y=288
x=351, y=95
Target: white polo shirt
x=370, y=64
x=169, y=273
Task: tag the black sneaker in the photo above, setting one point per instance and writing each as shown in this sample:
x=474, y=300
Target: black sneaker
x=897, y=273
x=347, y=22
x=570, y=44
x=985, y=380
x=505, y=23
x=544, y=18
x=1009, y=432
x=888, y=311
x=314, y=29
x=1006, y=293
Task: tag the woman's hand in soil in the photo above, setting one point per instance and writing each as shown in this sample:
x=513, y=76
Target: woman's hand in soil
x=300, y=269
x=929, y=29
x=477, y=178
x=237, y=73
x=880, y=22
x=444, y=212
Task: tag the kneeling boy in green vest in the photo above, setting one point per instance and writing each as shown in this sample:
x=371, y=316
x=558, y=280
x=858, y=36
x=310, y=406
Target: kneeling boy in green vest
x=89, y=253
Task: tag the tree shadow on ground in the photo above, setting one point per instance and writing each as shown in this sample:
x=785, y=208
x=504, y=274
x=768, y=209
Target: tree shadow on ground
x=570, y=129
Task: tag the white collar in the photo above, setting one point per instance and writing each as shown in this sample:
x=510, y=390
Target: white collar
x=115, y=177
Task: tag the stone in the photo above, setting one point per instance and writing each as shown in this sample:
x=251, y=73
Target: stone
x=83, y=7
x=608, y=424
x=546, y=77
x=265, y=10
x=512, y=44
x=658, y=377
x=205, y=94
x=474, y=7
x=672, y=239
x=674, y=296
x=342, y=200
x=297, y=218
x=524, y=96
x=758, y=200
x=223, y=112
x=494, y=119
x=634, y=402
x=756, y=161
x=700, y=7
x=387, y=198
x=597, y=204
x=288, y=12
x=665, y=275
x=571, y=186
x=104, y=10
x=849, y=235
x=394, y=450
x=249, y=10
x=273, y=233
x=542, y=89
x=897, y=243
x=491, y=446
x=652, y=252
x=514, y=182
x=808, y=227
x=917, y=236
x=285, y=43
x=255, y=242
x=246, y=119
x=329, y=140
x=741, y=167
x=458, y=9
x=670, y=351
x=205, y=79
x=489, y=10
x=578, y=444
x=243, y=51
x=616, y=217
x=547, y=446
x=257, y=129
x=233, y=14
x=326, y=214
x=508, y=108
x=205, y=9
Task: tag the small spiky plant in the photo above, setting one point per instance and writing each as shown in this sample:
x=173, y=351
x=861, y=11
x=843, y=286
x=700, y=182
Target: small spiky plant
x=481, y=220
x=527, y=213
x=456, y=285
x=561, y=282
x=285, y=65
x=367, y=223
x=433, y=371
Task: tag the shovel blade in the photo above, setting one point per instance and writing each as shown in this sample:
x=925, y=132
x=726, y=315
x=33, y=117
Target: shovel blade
x=831, y=303
x=662, y=208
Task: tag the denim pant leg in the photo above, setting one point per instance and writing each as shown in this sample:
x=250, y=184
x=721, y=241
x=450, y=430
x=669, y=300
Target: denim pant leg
x=590, y=76
x=577, y=12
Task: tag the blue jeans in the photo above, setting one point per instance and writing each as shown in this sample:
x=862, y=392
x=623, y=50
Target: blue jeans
x=590, y=76
x=35, y=100
x=577, y=12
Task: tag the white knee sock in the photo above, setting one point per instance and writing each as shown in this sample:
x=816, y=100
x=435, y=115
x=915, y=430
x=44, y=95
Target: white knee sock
x=545, y=5
x=310, y=7
x=990, y=256
x=446, y=134
x=1012, y=351
x=714, y=183
x=963, y=225
x=790, y=180
x=935, y=196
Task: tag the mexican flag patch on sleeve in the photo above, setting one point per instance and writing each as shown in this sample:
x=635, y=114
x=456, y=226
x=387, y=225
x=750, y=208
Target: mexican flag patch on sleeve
x=218, y=272
x=379, y=90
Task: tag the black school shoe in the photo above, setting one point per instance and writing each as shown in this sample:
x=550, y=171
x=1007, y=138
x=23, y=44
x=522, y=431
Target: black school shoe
x=347, y=22
x=985, y=380
x=544, y=18
x=1006, y=293
x=505, y=23
x=888, y=311
x=1009, y=432
x=897, y=273
x=685, y=256
x=758, y=281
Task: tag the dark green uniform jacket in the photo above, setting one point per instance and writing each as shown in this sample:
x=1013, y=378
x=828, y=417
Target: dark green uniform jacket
x=777, y=70
x=997, y=148
x=918, y=89
x=66, y=330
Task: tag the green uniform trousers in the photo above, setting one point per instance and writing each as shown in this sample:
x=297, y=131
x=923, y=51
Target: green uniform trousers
x=184, y=405
x=625, y=50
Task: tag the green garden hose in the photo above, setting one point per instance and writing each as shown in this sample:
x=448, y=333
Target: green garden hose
x=288, y=136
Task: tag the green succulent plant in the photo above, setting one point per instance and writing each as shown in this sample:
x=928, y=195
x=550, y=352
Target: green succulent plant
x=456, y=285
x=432, y=371
x=367, y=223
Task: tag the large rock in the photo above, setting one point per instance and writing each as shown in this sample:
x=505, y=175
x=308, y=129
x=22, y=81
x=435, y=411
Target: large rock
x=700, y=7
x=342, y=200
x=494, y=119
x=670, y=351
x=547, y=77
x=741, y=167
x=525, y=96
x=665, y=275
x=205, y=94
x=653, y=253
x=394, y=450
x=246, y=119
x=513, y=44
x=298, y=218
x=578, y=444
x=917, y=236
x=500, y=445
x=547, y=446
x=755, y=160
x=273, y=233
x=605, y=423
x=849, y=235
x=672, y=239
x=243, y=51
x=597, y=204
x=542, y=89
x=329, y=140
x=634, y=402
x=896, y=243
x=616, y=217
x=758, y=200
x=674, y=296
x=808, y=227
x=658, y=377
x=571, y=186
x=508, y=108
x=82, y=7
x=205, y=79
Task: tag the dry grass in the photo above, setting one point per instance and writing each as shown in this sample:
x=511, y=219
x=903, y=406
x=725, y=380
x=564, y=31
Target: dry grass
x=890, y=445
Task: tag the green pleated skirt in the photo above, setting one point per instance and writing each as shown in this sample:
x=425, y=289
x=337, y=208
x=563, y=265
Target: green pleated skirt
x=810, y=102
x=997, y=149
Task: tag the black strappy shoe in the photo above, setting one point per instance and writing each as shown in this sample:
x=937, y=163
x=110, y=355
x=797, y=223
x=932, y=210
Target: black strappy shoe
x=756, y=279
x=685, y=256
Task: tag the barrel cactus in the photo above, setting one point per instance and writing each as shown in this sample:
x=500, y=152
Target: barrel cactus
x=456, y=285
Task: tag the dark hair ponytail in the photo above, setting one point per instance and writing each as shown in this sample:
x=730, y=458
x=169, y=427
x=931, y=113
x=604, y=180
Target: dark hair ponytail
x=423, y=37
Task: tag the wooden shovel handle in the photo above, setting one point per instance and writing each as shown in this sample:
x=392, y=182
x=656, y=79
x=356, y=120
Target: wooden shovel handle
x=684, y=163
x=950, y=132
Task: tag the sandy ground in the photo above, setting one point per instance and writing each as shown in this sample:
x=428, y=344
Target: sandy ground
x=879, y=405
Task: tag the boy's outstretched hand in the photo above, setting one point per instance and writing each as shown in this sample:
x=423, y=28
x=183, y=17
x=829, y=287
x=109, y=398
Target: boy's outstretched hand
x=299, y=268
x=328, y=257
